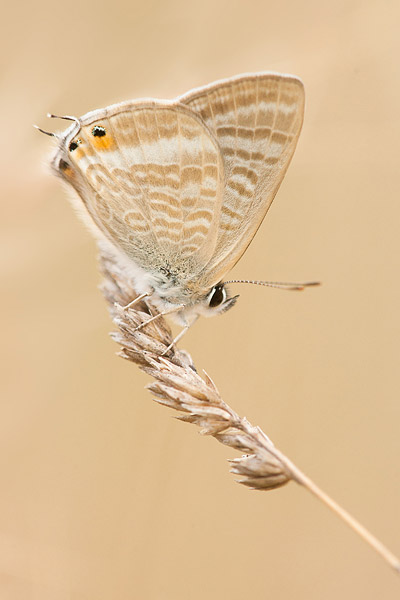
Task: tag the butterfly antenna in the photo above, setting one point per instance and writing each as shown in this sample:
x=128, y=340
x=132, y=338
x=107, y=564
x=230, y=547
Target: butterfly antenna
x=278, y=284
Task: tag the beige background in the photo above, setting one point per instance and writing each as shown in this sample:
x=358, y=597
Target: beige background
x=103, y=495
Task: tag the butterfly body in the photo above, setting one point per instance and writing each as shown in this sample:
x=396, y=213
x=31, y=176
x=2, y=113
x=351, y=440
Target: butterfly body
x=179, y=188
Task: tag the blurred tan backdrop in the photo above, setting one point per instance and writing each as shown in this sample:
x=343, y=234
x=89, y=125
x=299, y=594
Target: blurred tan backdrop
x=103, y=495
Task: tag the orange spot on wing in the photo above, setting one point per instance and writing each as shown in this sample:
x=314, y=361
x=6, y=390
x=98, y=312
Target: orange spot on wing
x=103, y=143
x=98, y=143
x=78, y=153
x=68, y=172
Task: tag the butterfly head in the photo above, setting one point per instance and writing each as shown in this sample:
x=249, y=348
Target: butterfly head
x=217, y=301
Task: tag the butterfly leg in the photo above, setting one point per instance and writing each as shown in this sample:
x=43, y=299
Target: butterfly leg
x=158, y=315
x=138, y=299
x=179, y=336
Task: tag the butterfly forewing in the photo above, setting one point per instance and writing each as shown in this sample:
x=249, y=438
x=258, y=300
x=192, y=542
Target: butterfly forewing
x=257, y=120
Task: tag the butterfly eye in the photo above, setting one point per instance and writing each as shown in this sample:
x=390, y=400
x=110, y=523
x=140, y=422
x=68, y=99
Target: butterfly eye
x=74, y=144
x=217, y=296
x=98, y=131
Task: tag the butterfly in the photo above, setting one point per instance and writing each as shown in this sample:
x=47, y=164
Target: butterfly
x=179, y=188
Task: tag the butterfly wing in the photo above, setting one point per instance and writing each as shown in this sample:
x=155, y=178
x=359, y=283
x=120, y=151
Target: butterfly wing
x=256, y=120
x=151, y=177
x=187, y=182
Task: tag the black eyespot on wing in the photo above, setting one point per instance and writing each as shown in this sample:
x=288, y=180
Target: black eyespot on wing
x=218, y=296
x=73, y=146
x=98, y=131
x=63, y=165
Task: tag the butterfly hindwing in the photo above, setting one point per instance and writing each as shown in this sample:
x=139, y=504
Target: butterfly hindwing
x=155, y=179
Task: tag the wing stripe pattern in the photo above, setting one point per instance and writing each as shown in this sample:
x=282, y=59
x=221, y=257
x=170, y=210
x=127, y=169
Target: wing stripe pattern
x=156, y=184
x=183, y=186
x=257, y=121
